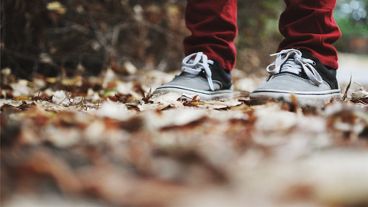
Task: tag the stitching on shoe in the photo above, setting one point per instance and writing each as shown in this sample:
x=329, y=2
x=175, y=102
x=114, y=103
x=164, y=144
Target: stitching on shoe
x=196, y=90
x=333, y=91
x=218, y=82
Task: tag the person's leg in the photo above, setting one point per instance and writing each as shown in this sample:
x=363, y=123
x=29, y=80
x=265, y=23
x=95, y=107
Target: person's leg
x=210, y=50
x=306, y=62
x=309, y=25
x=213, y=27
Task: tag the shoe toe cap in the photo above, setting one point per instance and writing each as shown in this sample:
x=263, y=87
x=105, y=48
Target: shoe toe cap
x=291, y=83
x=196, y=83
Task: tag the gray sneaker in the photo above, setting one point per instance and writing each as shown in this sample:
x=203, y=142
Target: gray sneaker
x=199, y=77
x=298, y=74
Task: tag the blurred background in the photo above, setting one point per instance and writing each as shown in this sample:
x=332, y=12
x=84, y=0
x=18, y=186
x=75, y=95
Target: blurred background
x=87, y=36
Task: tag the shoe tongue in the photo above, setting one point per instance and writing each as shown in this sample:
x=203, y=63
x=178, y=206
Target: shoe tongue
x=291, y=66
x=191, y=61
x=197, y=66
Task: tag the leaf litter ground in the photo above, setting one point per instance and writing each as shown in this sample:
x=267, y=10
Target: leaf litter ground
x=107, y=141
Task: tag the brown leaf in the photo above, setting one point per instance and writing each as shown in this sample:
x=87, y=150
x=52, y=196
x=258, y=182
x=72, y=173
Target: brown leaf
x=147, y=97
x=194, y=102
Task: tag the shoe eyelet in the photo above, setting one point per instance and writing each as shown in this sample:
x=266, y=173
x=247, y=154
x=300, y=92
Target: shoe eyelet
x=314, y=63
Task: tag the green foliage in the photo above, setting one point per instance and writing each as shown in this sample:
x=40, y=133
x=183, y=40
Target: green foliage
x=352, y=17
x=352, y=29
x=257, y=21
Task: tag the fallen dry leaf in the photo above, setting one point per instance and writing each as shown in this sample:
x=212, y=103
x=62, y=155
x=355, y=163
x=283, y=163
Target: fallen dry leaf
x=109, y=141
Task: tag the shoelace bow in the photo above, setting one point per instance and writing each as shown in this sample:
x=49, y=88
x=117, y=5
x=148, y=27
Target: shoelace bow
x=291, y=60
x=196, y=63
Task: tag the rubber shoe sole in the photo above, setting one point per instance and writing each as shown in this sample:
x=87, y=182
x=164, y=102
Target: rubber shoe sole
x=314, y=98
x=190, y=92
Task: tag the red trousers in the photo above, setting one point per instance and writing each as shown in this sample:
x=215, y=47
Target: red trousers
x=305, y=24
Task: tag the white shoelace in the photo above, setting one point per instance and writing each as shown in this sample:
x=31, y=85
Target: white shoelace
x=291, y=60
x=196, y=63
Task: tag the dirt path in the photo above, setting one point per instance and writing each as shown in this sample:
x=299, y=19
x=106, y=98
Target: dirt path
x=355, y=66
